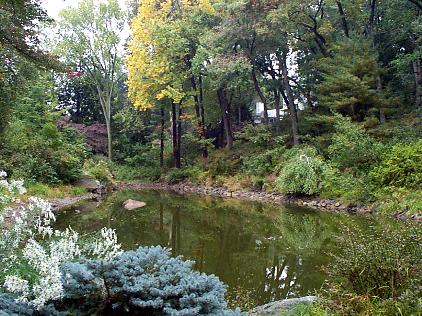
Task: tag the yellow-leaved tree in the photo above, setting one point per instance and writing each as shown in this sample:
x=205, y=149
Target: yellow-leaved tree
x=165, y=35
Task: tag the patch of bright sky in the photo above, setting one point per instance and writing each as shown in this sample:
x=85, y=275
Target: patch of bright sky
x=53, y=8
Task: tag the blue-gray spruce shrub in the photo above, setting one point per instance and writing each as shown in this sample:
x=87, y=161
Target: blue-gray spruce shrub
x=147, y=281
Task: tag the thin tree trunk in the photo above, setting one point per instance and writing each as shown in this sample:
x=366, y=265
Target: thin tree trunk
x=162, y=137
x=202, y=110
x=239, y=114
x=371, y=21
x=343, y=18
x=260, y=94
x=417, y=70
x=199, y=110
x=176, y=156
x=179, y=137
x=277, y=100
x=107, y=114
x=106, y=108
x=222, y=98
x=290, y=98
x=379, y=91
x=109, y=142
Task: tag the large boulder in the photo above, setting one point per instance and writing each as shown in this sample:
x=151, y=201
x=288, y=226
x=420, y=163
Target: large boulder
x=89, y=183
x=133, y=204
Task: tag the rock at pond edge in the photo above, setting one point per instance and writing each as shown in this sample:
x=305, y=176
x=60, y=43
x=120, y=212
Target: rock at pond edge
x=133, y=204
x=274, y=308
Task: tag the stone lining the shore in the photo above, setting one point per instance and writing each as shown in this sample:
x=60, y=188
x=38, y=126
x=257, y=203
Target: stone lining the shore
x=268, y=197
x=275, y=308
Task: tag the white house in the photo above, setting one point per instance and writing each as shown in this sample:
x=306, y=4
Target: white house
x=259, y=113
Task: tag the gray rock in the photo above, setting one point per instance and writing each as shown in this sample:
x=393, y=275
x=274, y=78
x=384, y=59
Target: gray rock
x=133, y=204
x=274, y=308
x=88, y=182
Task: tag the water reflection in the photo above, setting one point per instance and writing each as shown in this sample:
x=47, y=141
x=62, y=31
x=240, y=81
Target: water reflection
x=268, y=251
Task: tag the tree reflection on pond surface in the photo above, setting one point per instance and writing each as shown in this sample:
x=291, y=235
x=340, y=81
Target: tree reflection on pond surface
x=270, y=252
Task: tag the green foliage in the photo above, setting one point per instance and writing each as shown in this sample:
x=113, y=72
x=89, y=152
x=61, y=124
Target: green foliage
x=262, y=163
x=302, y=172
x=387, y=266
x=130, y=173
x=100, y=170
x=177, y=175
x=345, y=186
x=33, y=147
x=312, y=309
x=46, y=191
x=223, y=162
x=350, y=79
x=402, y=166
x=352, y=148
x=258, y=136
x=391, y=200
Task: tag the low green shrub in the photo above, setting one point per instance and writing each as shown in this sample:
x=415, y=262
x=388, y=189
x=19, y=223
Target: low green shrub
x=391, y=200
x=42, y=153
x=223, y=162
x=302, y=172
x=402, y=167
x=345, y=186
x=386, y=265
x=99, y=169
x=176, y=175
x=130, y=173
x=48, y=191
x=352, y=148
x=313, y=309
x=262, y=163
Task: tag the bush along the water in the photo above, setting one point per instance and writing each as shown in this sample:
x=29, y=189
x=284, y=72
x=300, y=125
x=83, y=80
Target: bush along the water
x=302, y=172
x=147, y=281
x=378, y=275
x=402, y=167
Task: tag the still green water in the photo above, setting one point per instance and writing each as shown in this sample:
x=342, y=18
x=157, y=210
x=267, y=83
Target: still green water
x=261, y=251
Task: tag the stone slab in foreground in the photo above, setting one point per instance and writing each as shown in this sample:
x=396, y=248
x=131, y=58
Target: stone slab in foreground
x=275, y=308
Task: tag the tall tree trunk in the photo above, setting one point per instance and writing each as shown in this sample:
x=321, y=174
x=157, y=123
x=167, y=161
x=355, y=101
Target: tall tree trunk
x=260, y=94
x=417, y=70
x=176, y=151
x=343, y=18
x=179, y=136
x=370, y=26
x=202, y=110
x=109, y=142
x=290, y=99
x=162, y=137
x=222, y=99
x=277, y=100
x=105, y=102
x=379, y=91
x=199, y=111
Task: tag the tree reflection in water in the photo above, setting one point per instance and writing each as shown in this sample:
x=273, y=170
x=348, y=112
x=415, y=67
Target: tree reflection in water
x=268, y=252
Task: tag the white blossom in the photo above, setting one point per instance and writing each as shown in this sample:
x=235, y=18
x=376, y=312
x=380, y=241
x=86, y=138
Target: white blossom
x=17, y=285
x=31, y=240
x=107, y=247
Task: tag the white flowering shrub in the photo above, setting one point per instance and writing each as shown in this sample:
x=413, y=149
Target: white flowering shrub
x=32, y=251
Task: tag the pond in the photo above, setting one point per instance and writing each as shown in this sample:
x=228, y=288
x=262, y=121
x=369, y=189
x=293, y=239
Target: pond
x=261, y=251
